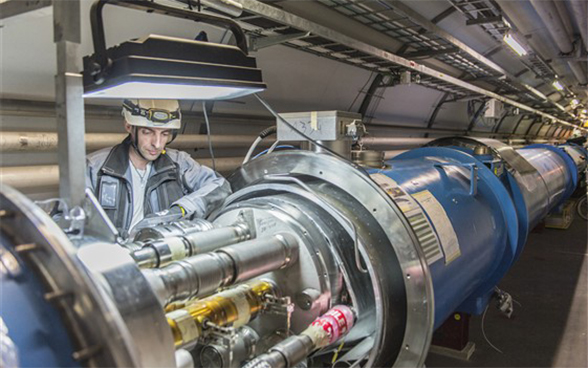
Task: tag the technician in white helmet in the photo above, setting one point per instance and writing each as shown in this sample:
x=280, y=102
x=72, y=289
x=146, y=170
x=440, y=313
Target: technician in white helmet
x=140, y=176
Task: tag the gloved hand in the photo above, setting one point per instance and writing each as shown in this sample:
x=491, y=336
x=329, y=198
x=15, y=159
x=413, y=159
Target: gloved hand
x=173, y=210
x=172, y=214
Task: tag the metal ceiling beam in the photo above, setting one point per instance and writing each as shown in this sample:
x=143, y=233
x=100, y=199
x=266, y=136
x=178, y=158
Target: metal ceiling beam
x=403, y=9
x=476, y=116
x=499, y=123
x=517, y=124
x=429, y=53
x=444, y=14
x=365, y=104
x=483, y=20
x=281, y=16
x=13, y=8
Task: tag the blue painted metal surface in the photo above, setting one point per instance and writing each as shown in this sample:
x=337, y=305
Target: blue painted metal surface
x=33, y=324
x=490, y=219
x=481, y=223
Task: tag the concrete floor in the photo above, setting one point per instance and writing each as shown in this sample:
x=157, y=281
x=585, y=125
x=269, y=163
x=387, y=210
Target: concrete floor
x=550, y=281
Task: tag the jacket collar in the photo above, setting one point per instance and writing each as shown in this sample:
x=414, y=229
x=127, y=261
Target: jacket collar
x=117, y=162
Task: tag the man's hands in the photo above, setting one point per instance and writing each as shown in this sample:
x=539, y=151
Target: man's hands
x=172, y=214
x=173, y=210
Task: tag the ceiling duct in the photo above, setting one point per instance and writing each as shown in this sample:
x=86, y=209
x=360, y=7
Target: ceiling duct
x=552, y=18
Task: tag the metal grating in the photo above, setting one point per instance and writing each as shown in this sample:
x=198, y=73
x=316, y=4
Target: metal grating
x=418, y=41
x=261, y=20
x=488, y=16
x=260, y=27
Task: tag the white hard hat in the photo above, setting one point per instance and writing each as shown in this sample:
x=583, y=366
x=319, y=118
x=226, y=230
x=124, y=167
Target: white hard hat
x=153, y=113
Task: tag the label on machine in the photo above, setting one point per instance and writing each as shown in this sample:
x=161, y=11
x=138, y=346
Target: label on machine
x=442, y=224
x=414, y=213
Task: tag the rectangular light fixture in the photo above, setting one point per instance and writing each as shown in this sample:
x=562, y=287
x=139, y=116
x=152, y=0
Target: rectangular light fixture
x=514, y=44
x=557, y=85
x=158, y=67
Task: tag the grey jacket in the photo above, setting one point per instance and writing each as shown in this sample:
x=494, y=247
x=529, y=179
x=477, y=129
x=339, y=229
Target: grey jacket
x=175, y=178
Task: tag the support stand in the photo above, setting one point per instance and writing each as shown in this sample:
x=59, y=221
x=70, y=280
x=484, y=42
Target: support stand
x=452, y=338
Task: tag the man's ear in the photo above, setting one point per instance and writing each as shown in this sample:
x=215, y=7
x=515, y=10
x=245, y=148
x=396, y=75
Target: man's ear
x=128, y=128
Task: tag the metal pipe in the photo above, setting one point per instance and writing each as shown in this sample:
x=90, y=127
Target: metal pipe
x=202, y=274
x=562, y=10
x=36, y=176
x=229, y=7
x=161, y=252
x=45, y=141
x=394, y=142
x=555, y=24
x=580, y=14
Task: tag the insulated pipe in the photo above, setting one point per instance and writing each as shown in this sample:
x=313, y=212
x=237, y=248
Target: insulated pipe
x=391, y=142
x=548, y=12
x=580, y=14
x=562, y=10
x=555, y=25
x=161, y=252
x=41, y=141
x=27, y=177
x=203, y=274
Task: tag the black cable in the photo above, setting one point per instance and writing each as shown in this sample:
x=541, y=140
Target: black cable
x=268, y=131
x=360, y=91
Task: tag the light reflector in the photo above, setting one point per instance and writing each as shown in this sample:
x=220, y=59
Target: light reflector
x=158, y=67
x=152, y=90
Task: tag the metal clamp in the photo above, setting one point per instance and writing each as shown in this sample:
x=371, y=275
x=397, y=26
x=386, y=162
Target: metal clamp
x=473, y=174
x=280, y=306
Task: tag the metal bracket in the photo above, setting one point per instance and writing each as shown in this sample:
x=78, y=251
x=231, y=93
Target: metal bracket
x=473, y=174
x=224, y=336
x=280, y=306
x=505, y=302
x=258, y=43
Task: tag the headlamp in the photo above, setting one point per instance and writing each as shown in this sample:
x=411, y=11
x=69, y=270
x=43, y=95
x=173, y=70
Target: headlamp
x=156, y=116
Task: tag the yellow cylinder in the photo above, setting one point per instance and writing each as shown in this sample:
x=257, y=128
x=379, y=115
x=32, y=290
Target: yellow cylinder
x=234, y=307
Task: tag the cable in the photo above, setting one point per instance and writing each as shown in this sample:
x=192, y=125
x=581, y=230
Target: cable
x=278, y=147
x=273, y=146
x=262, y=135
x=208, y=135
x=484, y=332
x=362, y=89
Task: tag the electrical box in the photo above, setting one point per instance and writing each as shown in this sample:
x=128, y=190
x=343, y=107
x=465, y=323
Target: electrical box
x=318, y=125
x=494, y=109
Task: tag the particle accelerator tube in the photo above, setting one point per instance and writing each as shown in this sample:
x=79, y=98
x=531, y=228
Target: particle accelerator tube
x=204, y=273
x=161, y=252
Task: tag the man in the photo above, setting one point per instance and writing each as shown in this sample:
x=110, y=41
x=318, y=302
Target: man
x=140, y=176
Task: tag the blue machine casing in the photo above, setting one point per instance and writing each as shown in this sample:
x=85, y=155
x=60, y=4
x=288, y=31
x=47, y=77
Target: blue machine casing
x=33, y=324
x=490, y=218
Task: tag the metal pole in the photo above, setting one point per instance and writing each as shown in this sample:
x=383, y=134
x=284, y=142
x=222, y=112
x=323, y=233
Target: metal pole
x=69, y=102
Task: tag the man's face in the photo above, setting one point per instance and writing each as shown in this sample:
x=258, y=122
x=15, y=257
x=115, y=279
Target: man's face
x=151, y=141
